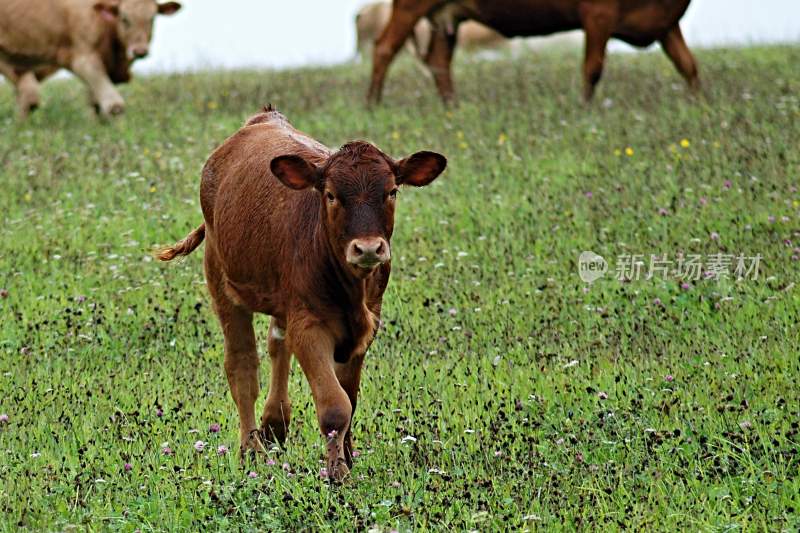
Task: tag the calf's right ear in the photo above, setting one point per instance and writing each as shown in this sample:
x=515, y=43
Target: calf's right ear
x=107, y=9
x=295, y=172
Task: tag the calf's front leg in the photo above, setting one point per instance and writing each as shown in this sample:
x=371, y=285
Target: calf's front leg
x=90, y=68
x=313, y=346
x=349, y=376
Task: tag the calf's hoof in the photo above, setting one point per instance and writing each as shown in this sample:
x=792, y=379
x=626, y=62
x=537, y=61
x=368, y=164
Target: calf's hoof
x=274, y=430
x=252, y=446
x=338, y=470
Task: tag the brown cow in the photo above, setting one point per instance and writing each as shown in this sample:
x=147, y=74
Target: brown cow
x=301, y=233
x=95, y=39
x=637, y=22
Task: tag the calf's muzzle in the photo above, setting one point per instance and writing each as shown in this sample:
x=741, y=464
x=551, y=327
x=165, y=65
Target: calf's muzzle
x=368, y=252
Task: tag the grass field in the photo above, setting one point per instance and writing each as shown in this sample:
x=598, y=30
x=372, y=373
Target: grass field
x=504, y=393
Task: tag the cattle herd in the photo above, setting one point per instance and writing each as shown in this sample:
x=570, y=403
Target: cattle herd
x=294, y=229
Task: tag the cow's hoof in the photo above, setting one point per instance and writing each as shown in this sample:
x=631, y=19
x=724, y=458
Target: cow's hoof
x=116, y=109
x=252, y=447
x=338, y=471
x=273, y=431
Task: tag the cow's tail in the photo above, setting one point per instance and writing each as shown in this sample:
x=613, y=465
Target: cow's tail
x=185, y=246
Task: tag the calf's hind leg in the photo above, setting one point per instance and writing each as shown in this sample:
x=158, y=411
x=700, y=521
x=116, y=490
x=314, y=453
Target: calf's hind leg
x=278, y=408
x=241, y=356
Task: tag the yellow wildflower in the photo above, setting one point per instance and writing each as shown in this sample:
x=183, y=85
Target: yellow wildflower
x=629, y=151
x=501, y=140
x=684, y=143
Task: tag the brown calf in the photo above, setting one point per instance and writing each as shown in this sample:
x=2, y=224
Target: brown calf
x=301, y=233
x=637, y=22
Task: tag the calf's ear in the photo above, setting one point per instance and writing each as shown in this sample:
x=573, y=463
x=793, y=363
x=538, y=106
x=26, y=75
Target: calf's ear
x=295, y=172
x=168, y=8
x=107, y=9
x=420, y=169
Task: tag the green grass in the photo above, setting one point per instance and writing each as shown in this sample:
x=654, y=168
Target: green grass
x=536, y=401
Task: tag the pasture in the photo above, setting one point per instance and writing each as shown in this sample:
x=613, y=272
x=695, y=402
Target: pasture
x=503, y=392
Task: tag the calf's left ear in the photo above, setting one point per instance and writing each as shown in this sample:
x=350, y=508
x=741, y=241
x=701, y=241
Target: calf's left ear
x=420, y=169
x=168, y=8
x=294, y=172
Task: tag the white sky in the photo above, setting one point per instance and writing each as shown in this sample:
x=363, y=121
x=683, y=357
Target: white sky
x=280, y=33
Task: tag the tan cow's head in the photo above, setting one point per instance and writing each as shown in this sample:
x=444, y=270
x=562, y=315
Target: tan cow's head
x=134, y=21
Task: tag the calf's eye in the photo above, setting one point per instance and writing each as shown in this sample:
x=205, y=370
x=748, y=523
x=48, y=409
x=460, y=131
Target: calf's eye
x=329, y=195
x=393, y=194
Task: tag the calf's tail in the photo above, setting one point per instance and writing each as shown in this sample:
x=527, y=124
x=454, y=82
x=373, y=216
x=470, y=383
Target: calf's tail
x=184, y=247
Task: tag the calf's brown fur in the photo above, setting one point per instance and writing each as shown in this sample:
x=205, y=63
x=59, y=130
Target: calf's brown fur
x=301, y=233
x=637, y=22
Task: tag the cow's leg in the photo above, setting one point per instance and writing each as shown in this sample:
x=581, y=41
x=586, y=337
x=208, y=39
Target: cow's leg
x=27, y=93
x=90, y=69
x=675, y=48
x=278, y=409
x=405, y=14
x=26, y=88
x=241, y=357
x=241, y=367
x=439, y=57
x=597, y=25
x=349, y=375
x=313, y=348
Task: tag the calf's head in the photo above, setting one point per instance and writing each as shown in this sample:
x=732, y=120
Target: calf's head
x=133, y=21
x=357, y=189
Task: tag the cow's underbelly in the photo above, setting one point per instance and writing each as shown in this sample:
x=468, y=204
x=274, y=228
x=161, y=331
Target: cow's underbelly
x=253, y=296
x=30, y=58
x=640, y=26
x=524, y=18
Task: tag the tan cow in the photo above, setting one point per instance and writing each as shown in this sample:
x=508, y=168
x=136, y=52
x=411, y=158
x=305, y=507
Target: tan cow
x=373, y=18
x=95, y=39
x=370, y=22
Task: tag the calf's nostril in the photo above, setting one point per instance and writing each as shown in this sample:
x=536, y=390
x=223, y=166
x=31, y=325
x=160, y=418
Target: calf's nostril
x=357, y=249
